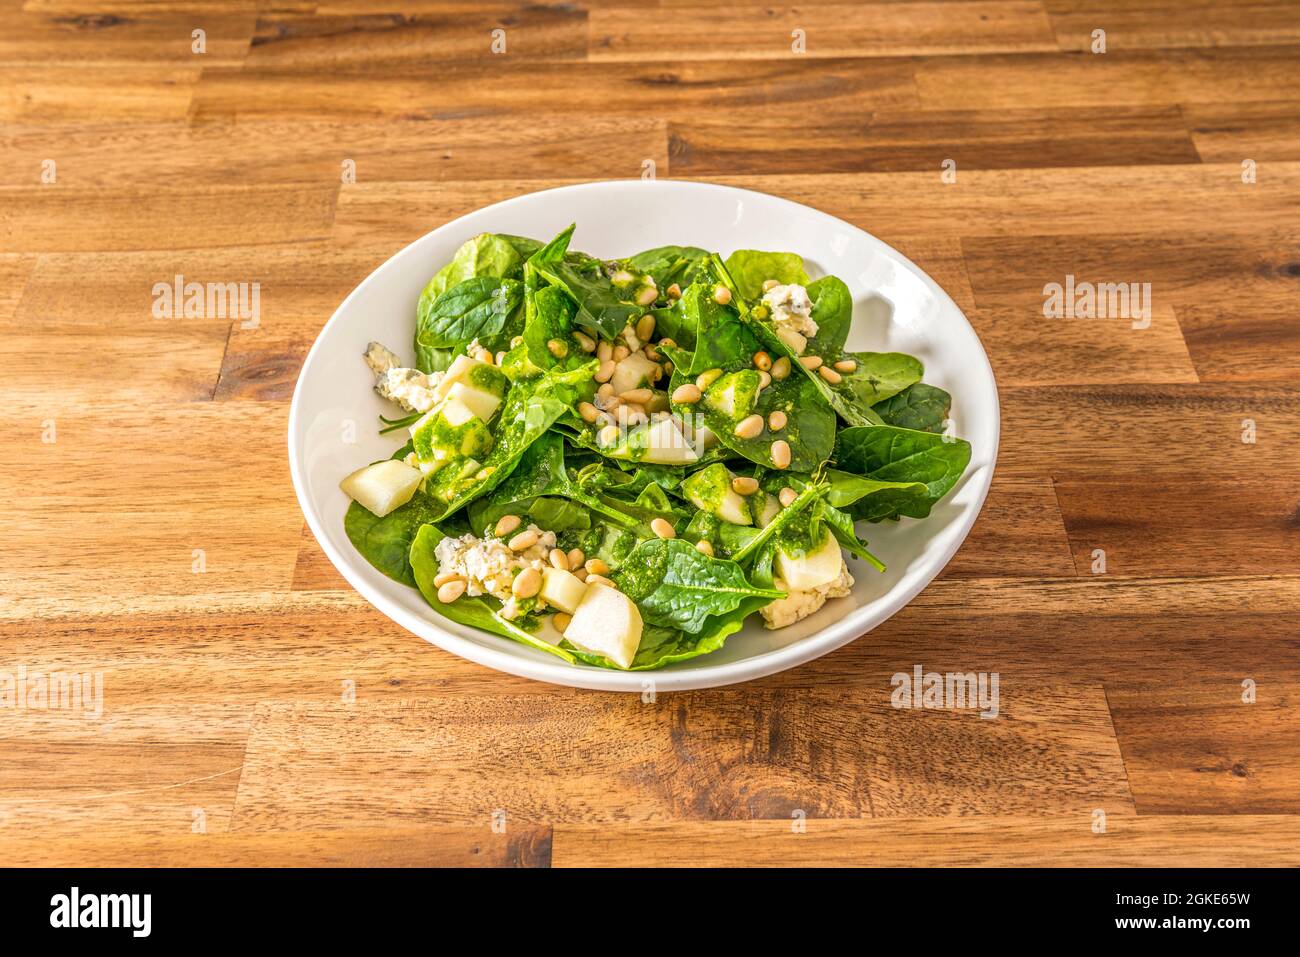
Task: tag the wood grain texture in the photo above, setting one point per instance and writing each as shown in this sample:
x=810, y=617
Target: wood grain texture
x=256, y=710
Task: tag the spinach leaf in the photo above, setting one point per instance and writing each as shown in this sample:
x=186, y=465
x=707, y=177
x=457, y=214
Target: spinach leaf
x=921, y=407
x=477, y=612
x=677, y=586
x=832, y=310
x=386, y=542
x=876, y=377
x=667, y=264
x=665, y=646
x=600, y=307
x=550, y=321
x=751, y=268
x=890, y=454
x=486, y=255
x=477, y=308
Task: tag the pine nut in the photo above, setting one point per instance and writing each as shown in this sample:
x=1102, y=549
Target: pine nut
x=587, y=343
x=561, y=622
x=621, y=277
x=604, y=351
x=580, y=574
x=781, y=454
x=781, y=368
x=443, y=577
x=687, y=394
x=706, y=379
x=639, y=396
x=645, y=296
x=605, y=390
x=787, y=496
x=665, y=342
x=605, y=372
x=557, y=348
x=744, y=485
x=630, y=414
x=811, y=363
x=527, y=583
x=762, y=360
x=668, y=368
x=451, y=591
x=674, y=291
x=663, y=528
x=704, y=547
x=525, y=539
x=501, y=357
x=776, y=420
x=575, y=558
x=621, y=352
x=764, y=380
x=559, y=559
x=507, y=524
x=830, y=375
x=846, y=365
x=588, y=412
x=596, y=566
x=750, y=427
x=721, y=295
x=770, y=284
x=645, y=327
x=600, y=579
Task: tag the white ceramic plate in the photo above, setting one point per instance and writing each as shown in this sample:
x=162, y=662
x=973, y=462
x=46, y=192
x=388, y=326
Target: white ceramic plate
x=897, y=308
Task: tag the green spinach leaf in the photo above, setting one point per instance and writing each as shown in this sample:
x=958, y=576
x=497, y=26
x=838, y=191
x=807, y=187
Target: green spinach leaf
x=921, y=407
x=752, y=267
x=890, y=454
x=676, y=586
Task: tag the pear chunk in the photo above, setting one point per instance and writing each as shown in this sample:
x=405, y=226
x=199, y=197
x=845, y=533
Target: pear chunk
x=606, y=622
x=812, y=569
x=710, y=491
x=562, y=589
x=383, y=486
x=632, y=373
x=482, y=403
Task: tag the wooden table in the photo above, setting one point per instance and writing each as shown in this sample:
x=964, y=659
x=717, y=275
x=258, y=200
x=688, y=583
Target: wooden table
x=256, y=710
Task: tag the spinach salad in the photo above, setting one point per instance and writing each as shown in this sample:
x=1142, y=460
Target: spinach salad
x=618, y=462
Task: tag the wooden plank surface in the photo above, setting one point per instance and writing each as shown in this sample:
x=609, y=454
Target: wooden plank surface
x=1133, y=579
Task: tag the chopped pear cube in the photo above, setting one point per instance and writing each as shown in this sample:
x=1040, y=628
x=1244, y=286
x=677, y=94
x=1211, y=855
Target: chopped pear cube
x=562, y=589
x=632, y=373
x=473, y=373
x=482, y=403
x=383, y=486
x=606, y=622
x=812, y=569
x=710, y=491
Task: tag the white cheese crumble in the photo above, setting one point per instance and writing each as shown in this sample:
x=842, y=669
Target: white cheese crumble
x=791, y=315
x=409, y=388
x=489, y=566
x=798, y=605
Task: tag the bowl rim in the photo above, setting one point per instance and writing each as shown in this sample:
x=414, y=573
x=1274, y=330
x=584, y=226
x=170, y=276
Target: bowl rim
x=814, y=646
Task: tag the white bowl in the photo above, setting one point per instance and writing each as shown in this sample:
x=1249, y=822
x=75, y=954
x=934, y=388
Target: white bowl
x=897, y=307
